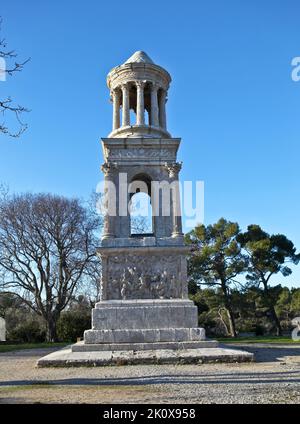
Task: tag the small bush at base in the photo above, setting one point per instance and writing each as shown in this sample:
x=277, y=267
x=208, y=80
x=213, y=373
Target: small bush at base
x=71, y=325
x=27, y=332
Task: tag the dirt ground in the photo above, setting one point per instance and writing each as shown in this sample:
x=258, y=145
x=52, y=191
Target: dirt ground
x=273, y=378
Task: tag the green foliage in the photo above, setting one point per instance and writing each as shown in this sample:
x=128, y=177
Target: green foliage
x=216, y=260
x=23, y=325
x=259, y=330
x=7, y=347
x=221, y=255
x=72, y=324
x=268, y=254
x=249, y=307
x=283, y=304
x=295, y=302
x=217, y=256
x=28, y=332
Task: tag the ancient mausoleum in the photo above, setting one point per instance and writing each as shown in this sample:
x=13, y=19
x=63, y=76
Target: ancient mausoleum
x=144, y=313
x=144, y=296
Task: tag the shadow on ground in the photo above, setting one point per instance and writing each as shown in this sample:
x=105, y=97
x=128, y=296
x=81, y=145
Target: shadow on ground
x=268, y=352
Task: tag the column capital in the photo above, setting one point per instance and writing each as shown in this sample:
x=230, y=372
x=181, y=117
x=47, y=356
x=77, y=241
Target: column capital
x=124, y=85
x=155, y=86
x=115, y=92
x=173, y=168
x=108, y=167
x=140, y=83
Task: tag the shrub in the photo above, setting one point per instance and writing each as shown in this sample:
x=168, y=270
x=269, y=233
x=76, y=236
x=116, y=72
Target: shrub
x=27, y=332
x=259, y=330
x=71, y=325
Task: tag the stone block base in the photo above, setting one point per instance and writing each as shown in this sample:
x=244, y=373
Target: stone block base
x=67, y=358
x=144, y=335
x=144, y=314
x=83, y=347
x=144, y=321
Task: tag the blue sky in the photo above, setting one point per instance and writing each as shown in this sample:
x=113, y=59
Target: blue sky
x=232, y=99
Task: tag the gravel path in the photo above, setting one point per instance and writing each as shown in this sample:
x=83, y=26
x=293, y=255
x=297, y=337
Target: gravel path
x=274, y=378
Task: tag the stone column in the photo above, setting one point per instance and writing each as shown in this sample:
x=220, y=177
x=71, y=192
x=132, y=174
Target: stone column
x=125, y=105
x=140, y=107
x=154, y=105
x=162, y=109
x=116, y=109
x=173, y=169
x=110, y=201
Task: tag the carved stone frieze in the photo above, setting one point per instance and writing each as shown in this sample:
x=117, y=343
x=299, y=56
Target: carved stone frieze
x=143, y=277
x=141, y=154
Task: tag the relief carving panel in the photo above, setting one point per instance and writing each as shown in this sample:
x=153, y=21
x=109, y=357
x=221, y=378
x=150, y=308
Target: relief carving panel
x=143, y=277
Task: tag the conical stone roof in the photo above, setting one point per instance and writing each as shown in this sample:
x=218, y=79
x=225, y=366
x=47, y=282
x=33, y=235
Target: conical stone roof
x=139, y=57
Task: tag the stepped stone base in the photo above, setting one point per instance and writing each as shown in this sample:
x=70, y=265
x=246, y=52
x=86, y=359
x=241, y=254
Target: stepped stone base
x=144, y=321
x=156, y=331
x=83, y=347
x=67, y=358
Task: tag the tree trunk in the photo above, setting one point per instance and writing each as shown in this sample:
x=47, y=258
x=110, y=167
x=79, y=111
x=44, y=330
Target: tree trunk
x=229, y=310
x=51, y=334
x=231, y=321
x=276, y=321
x=274, y=316
x=223, y=322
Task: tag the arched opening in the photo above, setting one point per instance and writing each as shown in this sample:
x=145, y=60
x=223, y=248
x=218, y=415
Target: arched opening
x=140, y=208
x=141, y=222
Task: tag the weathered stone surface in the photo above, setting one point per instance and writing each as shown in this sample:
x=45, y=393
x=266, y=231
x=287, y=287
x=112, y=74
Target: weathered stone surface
x=142, y=315
x=193, y=344
x=67, y=358
x=143, y=335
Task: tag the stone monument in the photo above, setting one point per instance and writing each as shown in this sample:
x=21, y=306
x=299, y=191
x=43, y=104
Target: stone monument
x=144, y=296
x=144, y=313
x=2, y=330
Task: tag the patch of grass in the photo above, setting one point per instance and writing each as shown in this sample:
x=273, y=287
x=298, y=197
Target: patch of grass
x=258, y=339
x=20, y=346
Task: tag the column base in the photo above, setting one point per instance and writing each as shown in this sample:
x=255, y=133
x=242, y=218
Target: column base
x=133, y=131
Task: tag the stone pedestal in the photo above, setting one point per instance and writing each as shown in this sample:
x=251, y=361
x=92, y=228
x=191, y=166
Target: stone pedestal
x=144, y=321
x=145, y=301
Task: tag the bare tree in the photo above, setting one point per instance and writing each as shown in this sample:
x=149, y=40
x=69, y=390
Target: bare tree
x=90, y=287
x=140, y=214
x=8, y=57
x=140, y=225
x=47, y=243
